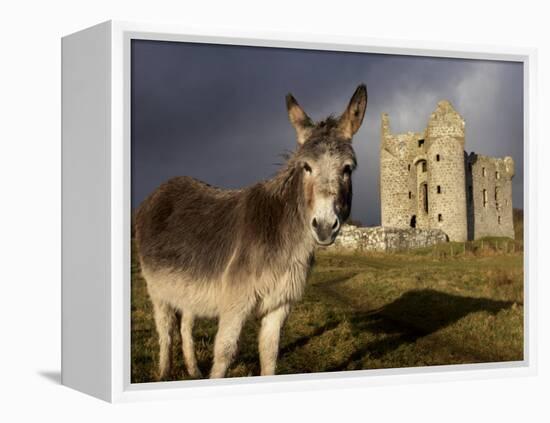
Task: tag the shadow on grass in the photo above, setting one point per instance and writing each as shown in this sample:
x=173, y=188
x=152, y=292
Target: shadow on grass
x=415, y=314
x=300, y=342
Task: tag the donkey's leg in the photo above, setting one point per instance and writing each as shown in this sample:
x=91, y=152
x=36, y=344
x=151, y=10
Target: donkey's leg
x=225, y=346
x=188, y=347
x=165, y=319
x=268, y=340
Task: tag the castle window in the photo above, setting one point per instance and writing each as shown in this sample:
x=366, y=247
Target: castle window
x=499, y=221
x=437, y=157
x=420, y=143
x=409, y=168
x=410, y=195
x=485, y=201
x=497, y=174
x=483, y=173
x=425, y=191
x=439, y=189
x=424, y=166
x=440, y=217
x=413, y=221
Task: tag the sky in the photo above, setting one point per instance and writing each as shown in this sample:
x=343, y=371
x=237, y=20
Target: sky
x=218, y=113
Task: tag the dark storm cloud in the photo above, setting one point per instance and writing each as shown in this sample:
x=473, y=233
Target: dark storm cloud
x=218, y=113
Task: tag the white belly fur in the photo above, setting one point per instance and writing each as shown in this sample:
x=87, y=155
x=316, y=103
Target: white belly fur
x=210, y=298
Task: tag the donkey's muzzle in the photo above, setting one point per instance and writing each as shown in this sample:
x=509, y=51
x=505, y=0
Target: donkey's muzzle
x=325, y=231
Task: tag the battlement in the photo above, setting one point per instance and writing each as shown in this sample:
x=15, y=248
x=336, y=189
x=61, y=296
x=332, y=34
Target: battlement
x=504, y=166
x=445, y=121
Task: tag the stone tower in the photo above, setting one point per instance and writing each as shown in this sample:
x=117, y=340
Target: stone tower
x=424, y=178
x=446, y=176
x=489, y=202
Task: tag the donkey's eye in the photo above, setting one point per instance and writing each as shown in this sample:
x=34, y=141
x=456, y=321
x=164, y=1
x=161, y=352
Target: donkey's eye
x=307, y=168
x=347, y=170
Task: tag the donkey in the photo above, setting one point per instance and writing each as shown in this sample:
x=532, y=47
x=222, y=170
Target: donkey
x=227, y=254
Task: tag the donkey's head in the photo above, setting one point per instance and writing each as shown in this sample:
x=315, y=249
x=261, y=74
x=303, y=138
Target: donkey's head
x=326, y=158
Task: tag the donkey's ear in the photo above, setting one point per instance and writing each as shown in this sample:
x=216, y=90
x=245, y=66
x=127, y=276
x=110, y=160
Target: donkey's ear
x=299, y=119
x=351, y=119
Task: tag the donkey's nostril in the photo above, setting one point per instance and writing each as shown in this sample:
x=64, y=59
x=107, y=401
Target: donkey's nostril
x=314, y=222
x=335, y=225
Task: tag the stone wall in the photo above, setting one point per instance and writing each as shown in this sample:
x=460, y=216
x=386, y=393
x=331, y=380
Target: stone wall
x=398, y=185
x=490, y=196
x=384, y=239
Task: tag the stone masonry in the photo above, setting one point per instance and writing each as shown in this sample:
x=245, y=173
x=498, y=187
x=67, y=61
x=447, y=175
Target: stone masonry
x=381, y=239
x=428, y=181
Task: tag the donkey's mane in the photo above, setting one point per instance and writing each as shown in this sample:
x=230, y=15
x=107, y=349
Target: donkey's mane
x=325, y=126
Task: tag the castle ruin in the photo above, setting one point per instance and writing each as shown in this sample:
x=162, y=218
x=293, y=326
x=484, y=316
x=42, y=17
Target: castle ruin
x=428, y=181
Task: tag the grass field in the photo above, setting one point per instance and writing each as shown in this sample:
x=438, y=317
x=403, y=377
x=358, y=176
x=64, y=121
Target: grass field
x=370, y=312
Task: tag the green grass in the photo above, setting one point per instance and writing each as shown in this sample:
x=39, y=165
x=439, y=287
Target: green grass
x=483, y=247
x=369, y=312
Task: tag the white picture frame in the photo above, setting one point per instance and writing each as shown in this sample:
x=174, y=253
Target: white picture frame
x=96, y=226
